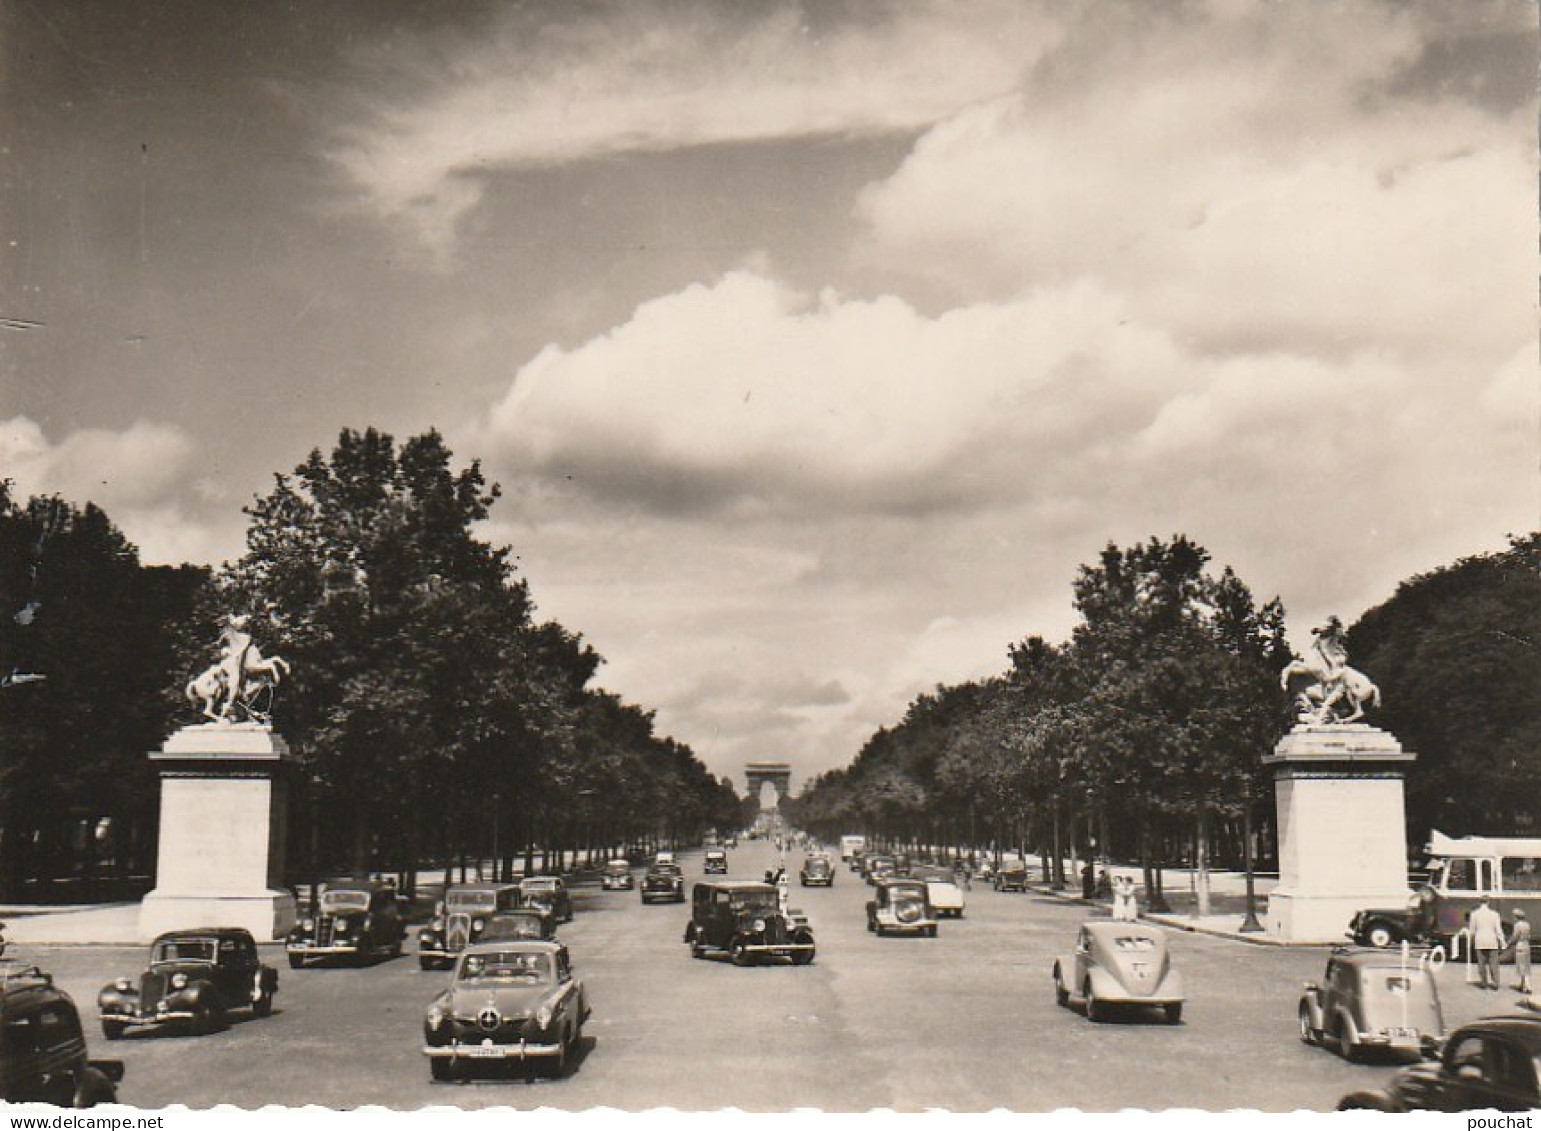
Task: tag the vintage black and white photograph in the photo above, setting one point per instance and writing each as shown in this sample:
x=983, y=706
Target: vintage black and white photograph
x=769, y=555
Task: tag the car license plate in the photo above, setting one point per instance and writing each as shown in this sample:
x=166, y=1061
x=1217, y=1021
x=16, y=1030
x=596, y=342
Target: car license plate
x=486, y=1051
x=1399, y=1032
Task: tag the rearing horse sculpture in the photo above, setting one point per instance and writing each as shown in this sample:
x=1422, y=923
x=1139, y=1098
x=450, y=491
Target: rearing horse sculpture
x=1326, y=689
x=233, y=683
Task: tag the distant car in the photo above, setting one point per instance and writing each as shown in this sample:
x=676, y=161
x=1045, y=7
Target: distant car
x=358, y=919
x=942, y=886
x=459, y=920
x=524, y=923
x=875, y=868
x=743, y=920
x=1371, y=999
x=663, y=882
x=617, y=876
x=1010, y=877
x=1119, y=963
x=817, y=871
x=664, y=857
x=196, y=978
x=716, y=862
x=509, y=1000
x=901, y=906
x=43, y=1048
x=549, y=893
x=1490, y=1064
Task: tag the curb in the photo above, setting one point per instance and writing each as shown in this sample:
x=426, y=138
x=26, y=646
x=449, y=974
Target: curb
x=1179, y=924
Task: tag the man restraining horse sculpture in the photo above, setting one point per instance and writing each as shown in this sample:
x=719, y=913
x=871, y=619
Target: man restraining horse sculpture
x=231, y=687
x=1326, y=689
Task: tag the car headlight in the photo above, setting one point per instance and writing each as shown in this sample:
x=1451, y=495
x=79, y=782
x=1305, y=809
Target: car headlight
x=308, y=925
x=437, y=924
x=543, y=1016
x=478, y=924
x=123, y=986
x=435, y=1016
x=1414, y=901
x=757, y=926
x=179, y=981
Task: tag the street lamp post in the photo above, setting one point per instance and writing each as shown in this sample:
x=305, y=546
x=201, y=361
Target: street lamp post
x=1250, y=925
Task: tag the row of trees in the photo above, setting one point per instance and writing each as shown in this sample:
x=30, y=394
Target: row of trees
x=1140, y=738
x=436, y=719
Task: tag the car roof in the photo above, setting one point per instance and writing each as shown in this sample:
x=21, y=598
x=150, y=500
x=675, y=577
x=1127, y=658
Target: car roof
x=1373, y=956
x=1121, y=928
x=1521, y=1028
x=736, y=885
x=540, y=880
x=483, y=886
x=202, y=933
x=503, y=946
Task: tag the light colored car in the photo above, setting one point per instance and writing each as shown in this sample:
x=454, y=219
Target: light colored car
x=901, y=906
x=508, y=1000
x=1118, y=963
x=1373, y=999
x=946, y=896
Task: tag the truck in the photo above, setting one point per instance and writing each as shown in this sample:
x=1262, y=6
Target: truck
x=851, y=844
x=1461, y=871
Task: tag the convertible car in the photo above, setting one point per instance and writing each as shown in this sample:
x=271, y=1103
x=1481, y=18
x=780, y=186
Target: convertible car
x=1118, y=963
x=509, y=1000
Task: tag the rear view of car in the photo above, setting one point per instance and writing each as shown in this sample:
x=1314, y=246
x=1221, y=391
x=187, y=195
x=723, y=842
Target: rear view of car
x=1373, y=1000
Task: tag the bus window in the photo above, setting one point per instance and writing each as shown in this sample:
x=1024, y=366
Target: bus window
x=1521, y=873
x=1461, y=875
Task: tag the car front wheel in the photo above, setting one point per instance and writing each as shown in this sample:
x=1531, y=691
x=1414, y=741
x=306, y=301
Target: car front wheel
x=296, y=961
x=1307, y=1030
x=112, y=1030
x=739, y=954
x=263, y=1006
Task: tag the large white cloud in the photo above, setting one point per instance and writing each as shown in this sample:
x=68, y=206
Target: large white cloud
x=551, y=85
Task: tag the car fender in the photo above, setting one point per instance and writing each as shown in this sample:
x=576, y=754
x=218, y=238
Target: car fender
x=1064, y=974
x=1105, y=985
x=267, y=979
x=1311, y=1002
x=1170, y=986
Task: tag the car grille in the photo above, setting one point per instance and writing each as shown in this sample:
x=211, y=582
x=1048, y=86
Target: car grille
x=775, y=930
x=457, y=931
x=152, y=987
x=324, y=930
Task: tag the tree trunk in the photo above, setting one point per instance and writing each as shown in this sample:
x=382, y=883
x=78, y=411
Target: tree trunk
x=1201, y=861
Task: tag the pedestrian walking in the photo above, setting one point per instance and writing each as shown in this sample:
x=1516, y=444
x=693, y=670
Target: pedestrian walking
x=1487, y=939
x=1520, y=941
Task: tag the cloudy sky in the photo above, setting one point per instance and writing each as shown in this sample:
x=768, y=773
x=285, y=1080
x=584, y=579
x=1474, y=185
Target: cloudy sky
x=814, y=345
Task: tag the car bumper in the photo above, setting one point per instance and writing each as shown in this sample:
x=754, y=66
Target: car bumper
x=134, y=1018
x=777, y=950
x=306, y=950
x=907, y=928
x=490, y=1051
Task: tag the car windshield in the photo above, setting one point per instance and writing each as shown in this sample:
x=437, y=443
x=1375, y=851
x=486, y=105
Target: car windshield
x=345, y=901
x=510, y=966
x=538, y=885
x=756, y=901
x=183, y=950
x=1132, y=943
x=471, y=900
x=618, y=866
x=513, y=927
x=664, y=870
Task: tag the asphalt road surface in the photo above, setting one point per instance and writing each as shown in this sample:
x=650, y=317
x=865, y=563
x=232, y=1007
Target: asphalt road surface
x=966, y=1021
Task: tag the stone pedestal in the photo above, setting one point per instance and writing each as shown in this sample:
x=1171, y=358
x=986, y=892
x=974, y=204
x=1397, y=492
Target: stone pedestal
x=223, y=824
x=1342, y=829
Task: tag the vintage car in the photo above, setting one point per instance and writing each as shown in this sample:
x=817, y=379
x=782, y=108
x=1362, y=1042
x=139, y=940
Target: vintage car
x=358, y=919
x=715, y=862
x=743, y=920
x=550, y=894
x=617, y=876
x=663, y=882
x=664, y=857
x=1010, y=876
x=515, y=999
x=1490, y=1064
x=942, y=886
x=901, y=906
x=196, y=979
x=876, y=867
x=1373, y=999
x=459, y=920
x=817, y=871
x=525, y=923
x=42, y=1047
x=1119, y=963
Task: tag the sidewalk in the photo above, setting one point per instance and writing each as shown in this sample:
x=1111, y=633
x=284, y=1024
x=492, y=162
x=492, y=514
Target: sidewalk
x=111, y=924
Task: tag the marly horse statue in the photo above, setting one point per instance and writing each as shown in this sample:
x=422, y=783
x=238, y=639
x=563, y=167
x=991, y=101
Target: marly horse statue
x=235, y=683
x=1328, y=695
